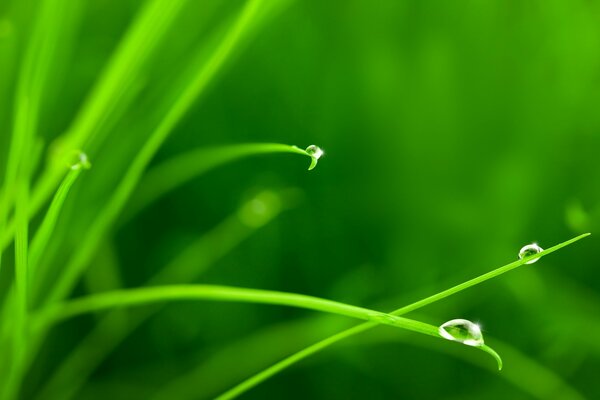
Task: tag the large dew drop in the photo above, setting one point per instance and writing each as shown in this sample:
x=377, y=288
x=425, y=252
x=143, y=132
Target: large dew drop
x=463, y=331
x=530, y=250
x=315, y=152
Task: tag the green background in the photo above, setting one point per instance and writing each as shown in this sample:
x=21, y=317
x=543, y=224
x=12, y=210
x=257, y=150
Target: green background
x=455, y=132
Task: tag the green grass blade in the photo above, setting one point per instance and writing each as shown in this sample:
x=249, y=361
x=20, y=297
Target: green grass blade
x=20, y=321
x=323, y=344
x=46, y=229
x=146, y=295
x=484, y=277
x=541, y=383
x=21, y=247
x=111, y=211
x=139, y=43
x=109, y=95
x=183, y=168
x=266, y=345
x=141, y=296
x=19, y=315
x=33, y=76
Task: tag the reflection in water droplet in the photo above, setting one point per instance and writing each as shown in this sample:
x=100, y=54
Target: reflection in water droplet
x=315, y=152
x=79, y=160
x=530, y=250
x=463, y=331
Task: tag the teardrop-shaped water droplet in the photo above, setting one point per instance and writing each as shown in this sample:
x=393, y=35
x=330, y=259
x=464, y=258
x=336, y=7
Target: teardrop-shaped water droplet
x=315, y=152
x=530, y=250
x=79, y=160
x=463, y=331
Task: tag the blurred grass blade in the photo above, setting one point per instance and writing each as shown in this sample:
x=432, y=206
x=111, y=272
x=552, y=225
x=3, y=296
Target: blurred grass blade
x=33, y=74
x=323, y=344
x=32, y=78
x=141, y=296
x=111, y=92
x=108, y=215
x=191, y=263
x=139, y=43
x=183, y=168
x=267, y=345
x=20, y=319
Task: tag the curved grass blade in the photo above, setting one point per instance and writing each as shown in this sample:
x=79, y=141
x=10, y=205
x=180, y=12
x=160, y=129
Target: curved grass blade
x=141, y=296
x=183, y=168
x=323, y=344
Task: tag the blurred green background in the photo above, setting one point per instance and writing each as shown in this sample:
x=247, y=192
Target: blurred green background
x=455, y=132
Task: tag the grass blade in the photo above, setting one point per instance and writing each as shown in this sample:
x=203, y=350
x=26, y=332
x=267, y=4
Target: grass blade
x=32, y=79
x=111, y=211
x=108, y=97
x=44, y=233
x=141, y=296
x=182, y=168
x=323, y=344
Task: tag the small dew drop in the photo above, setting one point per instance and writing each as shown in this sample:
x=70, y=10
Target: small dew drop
x=462, y=331
x=530, y=250
x=315, y=152
x=79, y=160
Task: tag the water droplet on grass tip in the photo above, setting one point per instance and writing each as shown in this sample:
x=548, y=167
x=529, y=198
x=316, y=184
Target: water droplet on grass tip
x=315, y=152
x=530, y=250
x=79, y=160
x=462, y=331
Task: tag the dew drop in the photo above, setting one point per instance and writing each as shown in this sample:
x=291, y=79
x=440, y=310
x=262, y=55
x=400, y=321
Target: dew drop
x=463, y=331
x=315, y=152
x=79, y=160
x=530, y=250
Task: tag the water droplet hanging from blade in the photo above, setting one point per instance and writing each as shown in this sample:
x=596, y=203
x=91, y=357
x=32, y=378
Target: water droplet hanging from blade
x=462, y=331
x=315, y=152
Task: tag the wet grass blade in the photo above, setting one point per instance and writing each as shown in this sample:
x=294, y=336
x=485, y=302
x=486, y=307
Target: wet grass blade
x=323, y=344
x=141, y=296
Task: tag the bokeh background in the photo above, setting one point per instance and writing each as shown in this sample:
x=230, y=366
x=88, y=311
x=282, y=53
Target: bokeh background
x=455, y=132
